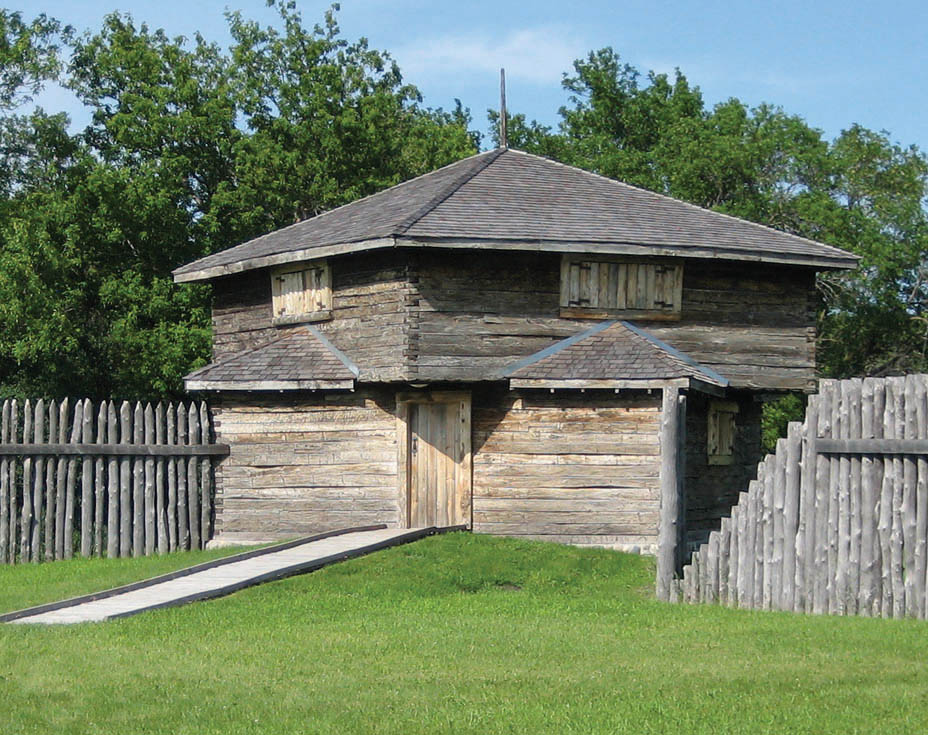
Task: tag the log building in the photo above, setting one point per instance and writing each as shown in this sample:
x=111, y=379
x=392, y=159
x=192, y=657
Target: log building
x=508, y=343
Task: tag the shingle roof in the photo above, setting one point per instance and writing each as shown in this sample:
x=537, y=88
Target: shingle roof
x=301, y=358
x=611, y=350
x=506, y=199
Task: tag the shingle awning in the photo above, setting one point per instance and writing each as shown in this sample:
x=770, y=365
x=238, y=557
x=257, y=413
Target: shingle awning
x=300, y=359
x=612, y=354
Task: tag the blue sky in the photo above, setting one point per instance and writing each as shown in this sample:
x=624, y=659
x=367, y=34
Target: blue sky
x=834, y=63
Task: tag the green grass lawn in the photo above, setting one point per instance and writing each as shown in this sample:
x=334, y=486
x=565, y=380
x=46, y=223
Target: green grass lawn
x=457, y=633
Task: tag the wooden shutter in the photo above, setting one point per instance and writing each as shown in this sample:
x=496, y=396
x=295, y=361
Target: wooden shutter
x=301, y=293
x=721, y=432
x=621, y=288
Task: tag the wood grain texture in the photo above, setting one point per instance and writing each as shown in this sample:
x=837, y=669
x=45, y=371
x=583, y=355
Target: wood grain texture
x=556, y=467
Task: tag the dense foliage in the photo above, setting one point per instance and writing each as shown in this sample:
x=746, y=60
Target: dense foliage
x=191, y=149
x=860, y=192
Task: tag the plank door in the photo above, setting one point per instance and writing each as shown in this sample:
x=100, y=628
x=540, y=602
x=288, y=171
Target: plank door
x=438, y=467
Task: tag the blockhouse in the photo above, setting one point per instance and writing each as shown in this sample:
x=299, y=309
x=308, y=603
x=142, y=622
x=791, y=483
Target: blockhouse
x=507, y=343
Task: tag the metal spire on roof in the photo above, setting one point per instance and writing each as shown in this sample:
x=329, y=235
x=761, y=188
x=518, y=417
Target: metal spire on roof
x=503, y=137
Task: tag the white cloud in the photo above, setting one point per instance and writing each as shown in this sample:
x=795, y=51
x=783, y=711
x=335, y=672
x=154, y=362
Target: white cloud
x=538, y=55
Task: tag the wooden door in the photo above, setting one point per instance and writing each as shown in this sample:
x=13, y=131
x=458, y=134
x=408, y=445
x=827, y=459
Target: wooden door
x=438, y=461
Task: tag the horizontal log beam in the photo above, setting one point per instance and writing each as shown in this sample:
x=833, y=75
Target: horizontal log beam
x=871, y=446
x=122, y=450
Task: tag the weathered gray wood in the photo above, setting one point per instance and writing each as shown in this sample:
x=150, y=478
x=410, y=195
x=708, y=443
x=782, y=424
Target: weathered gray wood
x=748, y=556
x=50, y=494
x=758, y=490
x=822, y=472
x=80, y=449
x=770, y=562
x=909, y=490
x=193, y=504
x=14, y=491
x=806, y=543
x=38, y=487
x=713, y=569
x=87, y=492
x=879, y=408
x=112, y=485
x=206, y=494
x=885, y=523
x=160, y=495
x=791, y=503
x=874, y=446
x=64, y=413
x=125, y=482
x=745, y=553
x=855, y=431
x=670, y=513
x=869, y=558
x=778, y=525
x=734, y=556
x=99, y=485
x=77, y=430
x=896, y=535
x=138, y=483
x=5, y=545
x=724, y=557
x=183, y=523
x=921, y=502
x=151, y=505
x=172, y=479
x=25, y=525
x=832, y=502
x=841, y=502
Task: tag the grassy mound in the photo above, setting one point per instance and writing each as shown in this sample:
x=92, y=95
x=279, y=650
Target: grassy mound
x=457, y=633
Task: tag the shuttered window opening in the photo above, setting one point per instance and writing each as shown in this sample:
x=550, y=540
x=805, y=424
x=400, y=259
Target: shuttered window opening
x=302, y=294
x=604, y=288
x=721, y=432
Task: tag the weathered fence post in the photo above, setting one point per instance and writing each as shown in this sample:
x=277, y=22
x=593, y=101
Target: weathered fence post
x=50, y=495
x=38, y=486
x=61, y=502
x=25, y=525
x=112, y=485
x=87, y=484
x=5, y=487
x=669, y=523
x=125, y=482
x=99, y=504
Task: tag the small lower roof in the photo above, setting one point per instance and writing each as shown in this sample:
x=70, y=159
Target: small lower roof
x=612, y=354
x=301, y=359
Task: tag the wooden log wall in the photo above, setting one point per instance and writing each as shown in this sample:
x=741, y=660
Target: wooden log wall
x=306, y=464
x=574, y=468
x=836, y=520
x=477, y=313
x=98, y=480
x=443, y=315
x=371, y=297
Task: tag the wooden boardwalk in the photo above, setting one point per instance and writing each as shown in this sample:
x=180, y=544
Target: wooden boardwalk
x=221, y=577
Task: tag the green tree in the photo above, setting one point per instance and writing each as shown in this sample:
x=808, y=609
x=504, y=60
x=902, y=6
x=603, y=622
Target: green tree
x=860, y=192
x=191, y=149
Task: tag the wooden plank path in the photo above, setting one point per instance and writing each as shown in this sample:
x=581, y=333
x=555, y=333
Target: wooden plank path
x=222, y=576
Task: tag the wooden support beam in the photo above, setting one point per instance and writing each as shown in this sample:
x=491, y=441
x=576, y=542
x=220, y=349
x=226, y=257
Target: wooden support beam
x=117, y=450
x=670, y=531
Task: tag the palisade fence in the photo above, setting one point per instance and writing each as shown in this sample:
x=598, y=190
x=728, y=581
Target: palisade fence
x=837, y=519
x=98, y=479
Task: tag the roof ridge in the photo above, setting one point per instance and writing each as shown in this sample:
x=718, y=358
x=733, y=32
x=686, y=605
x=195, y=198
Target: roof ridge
x=342, y=357
x=451, y=188
x=672, y=353
x=626, y=185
